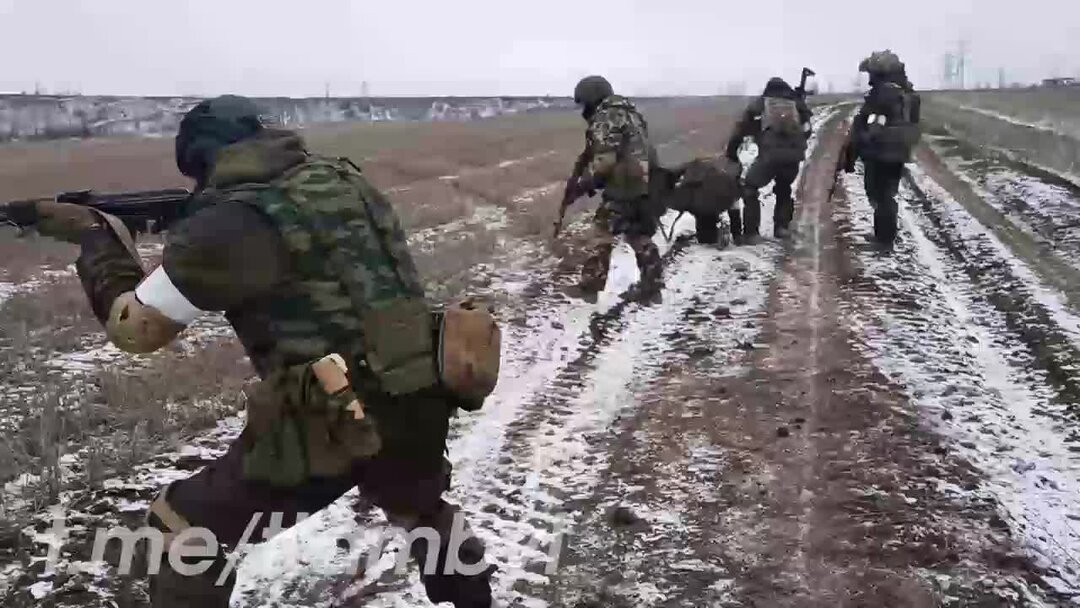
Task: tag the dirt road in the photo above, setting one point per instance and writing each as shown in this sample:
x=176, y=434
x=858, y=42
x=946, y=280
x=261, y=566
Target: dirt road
x=802, y=423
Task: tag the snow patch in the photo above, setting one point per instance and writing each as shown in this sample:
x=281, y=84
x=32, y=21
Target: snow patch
x=956, y=358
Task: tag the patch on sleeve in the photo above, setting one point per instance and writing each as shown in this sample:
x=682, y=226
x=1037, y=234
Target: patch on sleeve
x=159, y=292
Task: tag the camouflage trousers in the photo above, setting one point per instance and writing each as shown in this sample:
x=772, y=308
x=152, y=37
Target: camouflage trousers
x=608, y=226
x=405, y=481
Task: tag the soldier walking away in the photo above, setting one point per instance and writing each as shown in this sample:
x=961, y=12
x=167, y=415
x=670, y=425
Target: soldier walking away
x=617, y=160
x=779, y=122
x=359, y=376
x=884, y=134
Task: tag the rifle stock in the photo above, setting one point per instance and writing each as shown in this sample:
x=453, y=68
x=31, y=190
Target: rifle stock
x=146, y=211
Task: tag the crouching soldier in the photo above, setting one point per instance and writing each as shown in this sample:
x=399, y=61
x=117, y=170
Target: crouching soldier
x=617, y=161
x=359, y=376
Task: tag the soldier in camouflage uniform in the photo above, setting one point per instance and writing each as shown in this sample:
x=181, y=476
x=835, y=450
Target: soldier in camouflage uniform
x=305, y=258
x=618, y=157
x=779, y=122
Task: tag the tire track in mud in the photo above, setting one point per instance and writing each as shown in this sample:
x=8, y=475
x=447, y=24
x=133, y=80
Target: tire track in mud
x=829, y=496
x=1051, y=336
x=671, y=464
x=641, y=557
x=557, y=459
x=564, y=444
x=726, y=510
x=943, y=317
x=1036, y=214
x=1045, y=204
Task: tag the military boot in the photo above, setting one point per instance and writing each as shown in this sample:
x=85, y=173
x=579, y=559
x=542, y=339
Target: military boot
x=594, y=272
x=783, y=214
x=467, y=582
x=736, y=221
x=751, y=219
x=651, y=270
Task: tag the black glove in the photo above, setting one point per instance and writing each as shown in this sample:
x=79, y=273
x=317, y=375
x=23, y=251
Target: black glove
x=22, y=213
x=63, y=221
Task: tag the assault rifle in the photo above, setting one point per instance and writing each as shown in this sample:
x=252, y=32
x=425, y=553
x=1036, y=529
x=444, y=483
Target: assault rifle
x=801, y=89
x=572, y=192
x=149, y=211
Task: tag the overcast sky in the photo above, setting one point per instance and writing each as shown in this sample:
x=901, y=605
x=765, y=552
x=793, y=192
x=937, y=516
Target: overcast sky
x=484, y=47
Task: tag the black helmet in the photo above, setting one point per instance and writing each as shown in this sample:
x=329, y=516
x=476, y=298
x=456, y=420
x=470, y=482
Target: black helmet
x=591, y=90
x=777, y=86
x=211, y=125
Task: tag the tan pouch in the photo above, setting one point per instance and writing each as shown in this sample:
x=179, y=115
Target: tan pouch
x=306, y=421
x=401, y=346
x=470, y=349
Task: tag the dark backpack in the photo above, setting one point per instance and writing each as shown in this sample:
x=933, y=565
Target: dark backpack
x=892, y=129
x=706, y=186
x=781, y=128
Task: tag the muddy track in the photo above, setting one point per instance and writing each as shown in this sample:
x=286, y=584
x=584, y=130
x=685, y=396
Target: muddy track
x=959, y=325
x=798, y=476
x=1054, y=349
x=1035, y=213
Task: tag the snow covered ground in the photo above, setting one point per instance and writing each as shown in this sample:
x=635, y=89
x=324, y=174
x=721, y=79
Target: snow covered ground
x=636, y=455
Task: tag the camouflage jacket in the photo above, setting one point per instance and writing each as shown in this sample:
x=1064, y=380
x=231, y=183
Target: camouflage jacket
x=618, y=150
x=247, y=248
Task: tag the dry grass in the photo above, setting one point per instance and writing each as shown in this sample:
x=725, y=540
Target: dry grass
x=25, y=256
x=120, y=418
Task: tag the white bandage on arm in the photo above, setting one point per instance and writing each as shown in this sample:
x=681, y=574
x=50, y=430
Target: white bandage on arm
x=158, y=291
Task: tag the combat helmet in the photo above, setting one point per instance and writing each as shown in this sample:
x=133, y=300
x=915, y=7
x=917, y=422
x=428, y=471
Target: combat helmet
x=882, y=63
x=591, y=90
x=211, y=125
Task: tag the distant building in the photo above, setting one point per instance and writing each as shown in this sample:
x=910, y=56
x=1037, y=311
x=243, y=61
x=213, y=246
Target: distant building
x=1061, y=82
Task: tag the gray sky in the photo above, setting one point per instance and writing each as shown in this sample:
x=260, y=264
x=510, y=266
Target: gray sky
x=481, y=47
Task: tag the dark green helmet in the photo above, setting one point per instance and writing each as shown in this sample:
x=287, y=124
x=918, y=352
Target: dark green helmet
x=211, y=125
x=591, y=90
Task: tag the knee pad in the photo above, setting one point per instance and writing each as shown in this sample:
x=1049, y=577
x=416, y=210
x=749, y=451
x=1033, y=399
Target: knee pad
x=137, y=328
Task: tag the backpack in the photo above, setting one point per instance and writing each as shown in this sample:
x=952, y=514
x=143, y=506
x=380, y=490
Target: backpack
x=781, y=128
x=891, y=132
x=707, y=186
